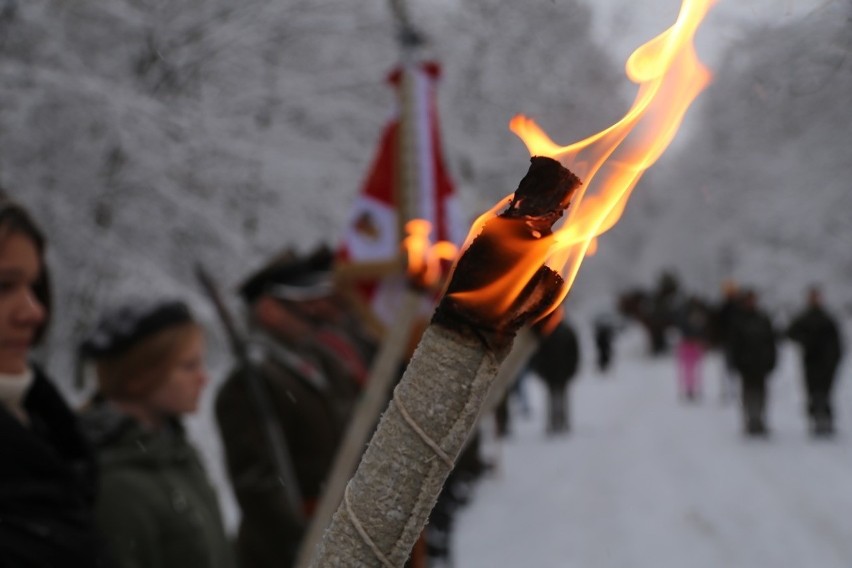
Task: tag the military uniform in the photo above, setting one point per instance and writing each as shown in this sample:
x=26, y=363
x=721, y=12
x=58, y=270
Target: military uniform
x=312, y=401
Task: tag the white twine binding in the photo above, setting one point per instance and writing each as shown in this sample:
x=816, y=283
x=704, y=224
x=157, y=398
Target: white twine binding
x=363, y=533
x=423, y=435
x=359, y=528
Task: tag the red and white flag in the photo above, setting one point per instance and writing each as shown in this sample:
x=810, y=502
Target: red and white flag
x=373, y=230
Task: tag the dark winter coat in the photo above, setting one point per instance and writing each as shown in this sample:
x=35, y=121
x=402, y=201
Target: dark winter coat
x=604, y=334
x=558, y=356
x=692, y=322
x=752, y=341
x=47, y=486
x=723, y=321
x=816, y=331
x=155, y=507
x=313, y=409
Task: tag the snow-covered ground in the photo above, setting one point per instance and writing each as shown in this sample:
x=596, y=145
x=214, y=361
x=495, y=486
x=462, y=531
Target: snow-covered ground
x=647, y=480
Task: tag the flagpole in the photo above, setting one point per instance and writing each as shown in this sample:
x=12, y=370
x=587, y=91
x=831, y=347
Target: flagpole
x=397, y=340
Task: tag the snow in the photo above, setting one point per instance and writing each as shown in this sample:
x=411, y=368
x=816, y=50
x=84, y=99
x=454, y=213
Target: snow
x=645, y=479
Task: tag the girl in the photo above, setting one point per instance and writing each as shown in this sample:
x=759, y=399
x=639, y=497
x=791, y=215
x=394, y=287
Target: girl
x=155, y=507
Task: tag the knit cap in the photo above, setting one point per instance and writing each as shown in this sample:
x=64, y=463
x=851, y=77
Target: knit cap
x=120, y=329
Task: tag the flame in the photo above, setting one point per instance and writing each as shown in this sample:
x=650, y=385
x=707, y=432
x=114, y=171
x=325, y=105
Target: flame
x=593, y=247
x=610, y=163
x=424, y=257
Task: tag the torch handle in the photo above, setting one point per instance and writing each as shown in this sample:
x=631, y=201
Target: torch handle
x=384, y=371
x=525, y=345
x=431, y=416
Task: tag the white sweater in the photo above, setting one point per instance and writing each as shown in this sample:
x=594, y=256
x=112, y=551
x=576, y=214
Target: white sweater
x=13, y=389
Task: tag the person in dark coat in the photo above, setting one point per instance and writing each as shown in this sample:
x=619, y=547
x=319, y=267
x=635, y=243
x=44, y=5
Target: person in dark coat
x=816, y=331
x=556, y=361
x=721, y=325
x=311, y=381
x=155, y=506
x=605, y=327
x=47, y=469
x=660, y=310
x=754, y=355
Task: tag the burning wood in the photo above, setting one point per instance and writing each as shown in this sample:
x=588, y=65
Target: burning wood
x=537, y=204
x=438, y=401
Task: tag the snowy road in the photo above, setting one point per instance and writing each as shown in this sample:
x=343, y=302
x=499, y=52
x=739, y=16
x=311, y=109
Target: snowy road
x=647, y=480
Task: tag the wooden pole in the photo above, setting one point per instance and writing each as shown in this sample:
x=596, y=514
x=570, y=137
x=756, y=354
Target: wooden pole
x=525, y=345
x=397, y=338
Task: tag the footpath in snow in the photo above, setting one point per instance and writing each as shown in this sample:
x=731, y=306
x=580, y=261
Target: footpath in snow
x=647, y=480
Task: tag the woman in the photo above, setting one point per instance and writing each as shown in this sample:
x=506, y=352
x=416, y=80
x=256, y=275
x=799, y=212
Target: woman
x=47, y=471
x=155, y=506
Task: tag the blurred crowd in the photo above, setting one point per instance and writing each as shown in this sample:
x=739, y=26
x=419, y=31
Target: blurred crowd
x=747, y=335
x=118, y=483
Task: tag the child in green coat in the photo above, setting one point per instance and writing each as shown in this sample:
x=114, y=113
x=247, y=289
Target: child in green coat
x=155, y=506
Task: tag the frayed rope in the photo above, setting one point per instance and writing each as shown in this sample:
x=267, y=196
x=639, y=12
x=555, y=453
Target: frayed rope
x=423, y=435
x=363, y=533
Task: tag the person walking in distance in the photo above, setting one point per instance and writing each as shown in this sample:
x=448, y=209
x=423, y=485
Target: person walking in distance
x=556, y=362
x=605, y=326
x=754, y=355
x=722, y=322
x=692, y=324
x=818, y=335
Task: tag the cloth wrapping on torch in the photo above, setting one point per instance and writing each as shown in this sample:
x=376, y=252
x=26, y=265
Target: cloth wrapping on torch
x=437, y=403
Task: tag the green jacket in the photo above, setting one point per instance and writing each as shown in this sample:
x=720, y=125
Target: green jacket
x=155, y=505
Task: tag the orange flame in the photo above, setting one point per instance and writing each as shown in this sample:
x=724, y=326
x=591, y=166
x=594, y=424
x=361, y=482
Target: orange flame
x=609, y=163
x=424, y=257
x=592, y=250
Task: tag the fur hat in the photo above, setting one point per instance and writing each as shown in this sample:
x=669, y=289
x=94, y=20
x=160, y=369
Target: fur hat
x=290, y=277
x=123, y=326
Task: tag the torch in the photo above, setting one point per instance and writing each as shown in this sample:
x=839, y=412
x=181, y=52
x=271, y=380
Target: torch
x=397, y=262
x=518, y=265
x=438, y=401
